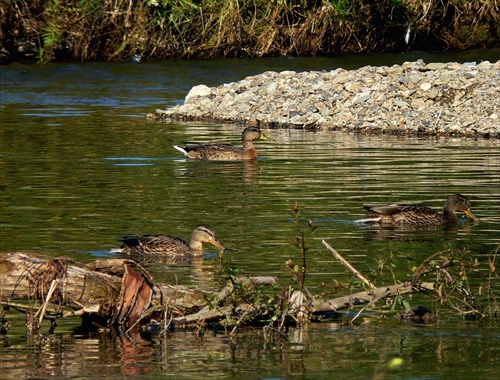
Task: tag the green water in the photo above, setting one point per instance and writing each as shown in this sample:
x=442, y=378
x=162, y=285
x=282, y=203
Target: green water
x=81, y=167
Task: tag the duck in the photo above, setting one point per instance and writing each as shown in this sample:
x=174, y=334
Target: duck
x=167, y=245
x=418, y=214
x=225, y=152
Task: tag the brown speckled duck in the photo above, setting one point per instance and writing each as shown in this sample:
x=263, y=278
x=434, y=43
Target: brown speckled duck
x=417, y=214
x=167, y=245
x=225, y=152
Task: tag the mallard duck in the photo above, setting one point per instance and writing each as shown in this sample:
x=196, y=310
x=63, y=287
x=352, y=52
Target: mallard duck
x=225, y=152
x=417, y=214
x=171, y=245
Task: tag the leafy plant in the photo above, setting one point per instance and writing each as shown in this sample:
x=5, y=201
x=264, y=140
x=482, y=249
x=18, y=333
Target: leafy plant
x=451, y=270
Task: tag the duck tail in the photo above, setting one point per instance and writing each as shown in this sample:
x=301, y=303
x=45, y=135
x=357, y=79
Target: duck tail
x=181, y=149
x=370, y=219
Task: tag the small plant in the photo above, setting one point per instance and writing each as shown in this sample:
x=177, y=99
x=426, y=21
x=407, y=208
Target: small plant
x=243, y=299
x=382, y=265
x=300, y=242
x=452, y=270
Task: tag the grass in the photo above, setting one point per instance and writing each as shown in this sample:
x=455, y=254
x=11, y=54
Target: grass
x=81, y=30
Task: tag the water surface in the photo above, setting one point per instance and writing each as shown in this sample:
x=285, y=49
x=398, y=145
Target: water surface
x=81, y=167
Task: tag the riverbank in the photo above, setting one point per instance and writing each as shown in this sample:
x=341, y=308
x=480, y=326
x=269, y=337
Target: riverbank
x=435, y=99
x=112, y=30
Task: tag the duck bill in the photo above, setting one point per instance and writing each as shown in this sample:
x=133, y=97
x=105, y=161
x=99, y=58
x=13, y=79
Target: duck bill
x=470, y=215
x=265, y=137
x=216, y=243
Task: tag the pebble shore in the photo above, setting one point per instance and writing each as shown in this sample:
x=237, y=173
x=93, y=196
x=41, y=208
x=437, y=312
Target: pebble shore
x=435, y=99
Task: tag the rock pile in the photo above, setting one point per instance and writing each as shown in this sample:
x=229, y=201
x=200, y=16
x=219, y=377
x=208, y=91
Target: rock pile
x=443, y=99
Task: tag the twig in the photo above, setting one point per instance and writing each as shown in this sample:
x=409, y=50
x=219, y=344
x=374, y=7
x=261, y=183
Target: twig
x=145, y=315
x=41, y=311
x=243, y=315
x=50, y=314
x=347, y=265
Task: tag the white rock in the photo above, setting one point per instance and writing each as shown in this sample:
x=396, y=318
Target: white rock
x=425, y=86
x=200, y=90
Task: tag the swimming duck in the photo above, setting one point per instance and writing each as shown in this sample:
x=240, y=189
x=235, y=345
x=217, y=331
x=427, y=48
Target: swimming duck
x=417, y=214
x=171, y=245
x=225, y=152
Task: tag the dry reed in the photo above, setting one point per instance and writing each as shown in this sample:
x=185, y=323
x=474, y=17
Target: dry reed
x=116, y=29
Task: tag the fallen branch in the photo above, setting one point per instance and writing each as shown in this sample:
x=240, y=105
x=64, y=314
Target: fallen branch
x=348, y=265
x=50, y=313
x=113, y=299
x=214, y=315
x=356, y=299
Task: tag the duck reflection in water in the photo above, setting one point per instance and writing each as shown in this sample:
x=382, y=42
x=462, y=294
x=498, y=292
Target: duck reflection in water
x=224, y=173
x=413, y=233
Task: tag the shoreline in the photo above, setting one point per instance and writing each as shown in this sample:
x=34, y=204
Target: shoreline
x=435, y=99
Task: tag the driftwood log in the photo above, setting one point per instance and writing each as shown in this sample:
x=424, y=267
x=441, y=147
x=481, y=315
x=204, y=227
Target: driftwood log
x=113, y=291
x=120, y=292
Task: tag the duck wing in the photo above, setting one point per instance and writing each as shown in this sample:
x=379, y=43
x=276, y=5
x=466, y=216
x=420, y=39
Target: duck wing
x=195, y=146
x=397, y=208
x=210, y=151
x=401, y=213
x=152, y=243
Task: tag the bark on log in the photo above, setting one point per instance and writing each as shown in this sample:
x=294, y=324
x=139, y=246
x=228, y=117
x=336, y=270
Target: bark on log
x=25, y=276
x=115, y=291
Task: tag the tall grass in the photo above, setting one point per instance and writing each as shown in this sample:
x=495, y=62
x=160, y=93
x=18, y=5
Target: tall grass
x=115, y=29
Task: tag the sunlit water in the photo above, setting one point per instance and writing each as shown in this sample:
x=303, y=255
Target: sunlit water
x=81, y=167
